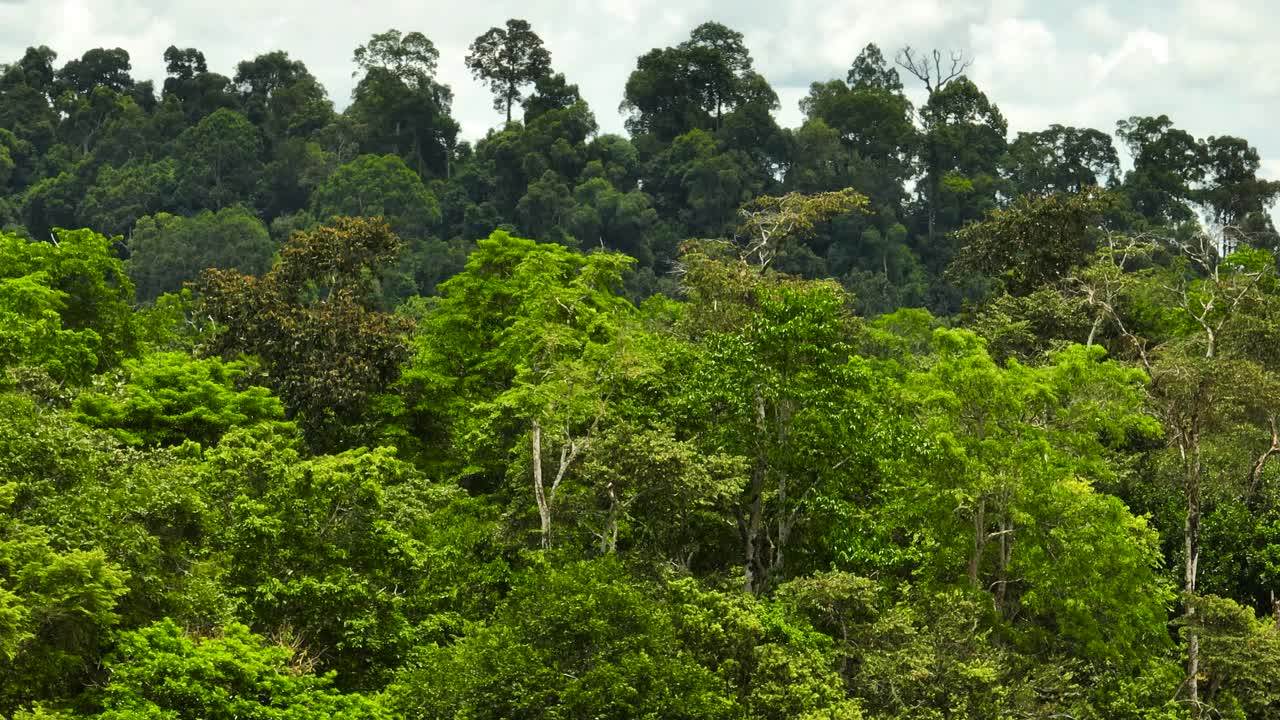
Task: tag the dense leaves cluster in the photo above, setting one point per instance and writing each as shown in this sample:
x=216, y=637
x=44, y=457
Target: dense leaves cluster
x=886, y=416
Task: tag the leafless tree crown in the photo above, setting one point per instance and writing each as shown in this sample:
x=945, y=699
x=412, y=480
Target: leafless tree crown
x=927, y=67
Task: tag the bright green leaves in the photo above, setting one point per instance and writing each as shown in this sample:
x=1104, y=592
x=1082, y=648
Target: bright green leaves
x=1023, y=447
x=162, y=672
x=64, y=305
x=55, y=608
x=354, y=553
x=528, y=339
x=170, y=398
x=587, y=640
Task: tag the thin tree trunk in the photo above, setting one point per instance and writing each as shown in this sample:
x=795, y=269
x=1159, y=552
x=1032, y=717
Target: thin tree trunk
x=1191, y=546
x=979, y=541
x=1006, y=549
x=609, y=537
x=539, y=491
x=751, y=531
x=1093, y=331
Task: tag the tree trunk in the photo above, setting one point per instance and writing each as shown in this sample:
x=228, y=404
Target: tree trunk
x=751, y=555
x=755, y=519
x=935, y=188
x=1006, y=550
x=609, y=536
x=1093, y=331
x=979, y=541
x=1191, y=546
x=539, y=491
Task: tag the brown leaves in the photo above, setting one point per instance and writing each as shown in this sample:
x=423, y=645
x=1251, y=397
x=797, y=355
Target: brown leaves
x=312, y=320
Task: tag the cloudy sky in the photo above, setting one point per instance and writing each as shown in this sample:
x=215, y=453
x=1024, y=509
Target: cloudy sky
x=1212, y=65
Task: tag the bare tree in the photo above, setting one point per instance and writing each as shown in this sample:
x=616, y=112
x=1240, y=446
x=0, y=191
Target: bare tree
x=927, y=67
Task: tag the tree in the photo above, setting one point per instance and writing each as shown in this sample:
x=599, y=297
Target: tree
x=1061, y=160
x=550, y=92
x=55, y=608
x=219, y=160
x=1238, y=201
x=1199, y=386
x=774, y=385
x=383, y=187
x=67, y=302
x=770, y=222
x=170, y=398
x=587, y=640
x=508, y=59
x=1166, y=163
x=693, y=85
x=280, y=95
x=198, y=91
x=314, y=322
x=167, y=251
x=1025, y=446
x=874, y=121
x=403, y=108
x=1034, y=241
x=162, y=671
x=99, y=67
x=544, y=387
x=929, y=70
x=354, y=559
x=411, y=58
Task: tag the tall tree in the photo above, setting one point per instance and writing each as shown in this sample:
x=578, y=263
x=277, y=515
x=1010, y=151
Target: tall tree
x=189, y=81
x=401, y=106
x=874, y=120
x=936, y=74
x=1237, y=200
x=219, y=161
x=98, y=67
x=1200, y=384
x=314, y=322
x=1062, y=160
x=1167, y=162
x=693, y=85
x=280, y=95
x=508, y=59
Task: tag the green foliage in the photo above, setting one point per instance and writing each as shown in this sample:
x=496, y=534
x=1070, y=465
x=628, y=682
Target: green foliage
x=161, y=672
x=1034, y=242
x=169, y=398
x=167, y=251
x=612, y=471
x=65, y=305
x=219, y=161
x=587, y=641
x=56, y=607
x=353, y=556
x=379, y=186
x=508, y=59
x=313, y=322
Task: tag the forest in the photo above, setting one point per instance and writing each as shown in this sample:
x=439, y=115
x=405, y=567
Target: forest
x=316, y=413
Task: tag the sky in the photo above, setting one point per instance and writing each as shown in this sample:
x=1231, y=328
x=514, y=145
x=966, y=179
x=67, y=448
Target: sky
x=1213, y=66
